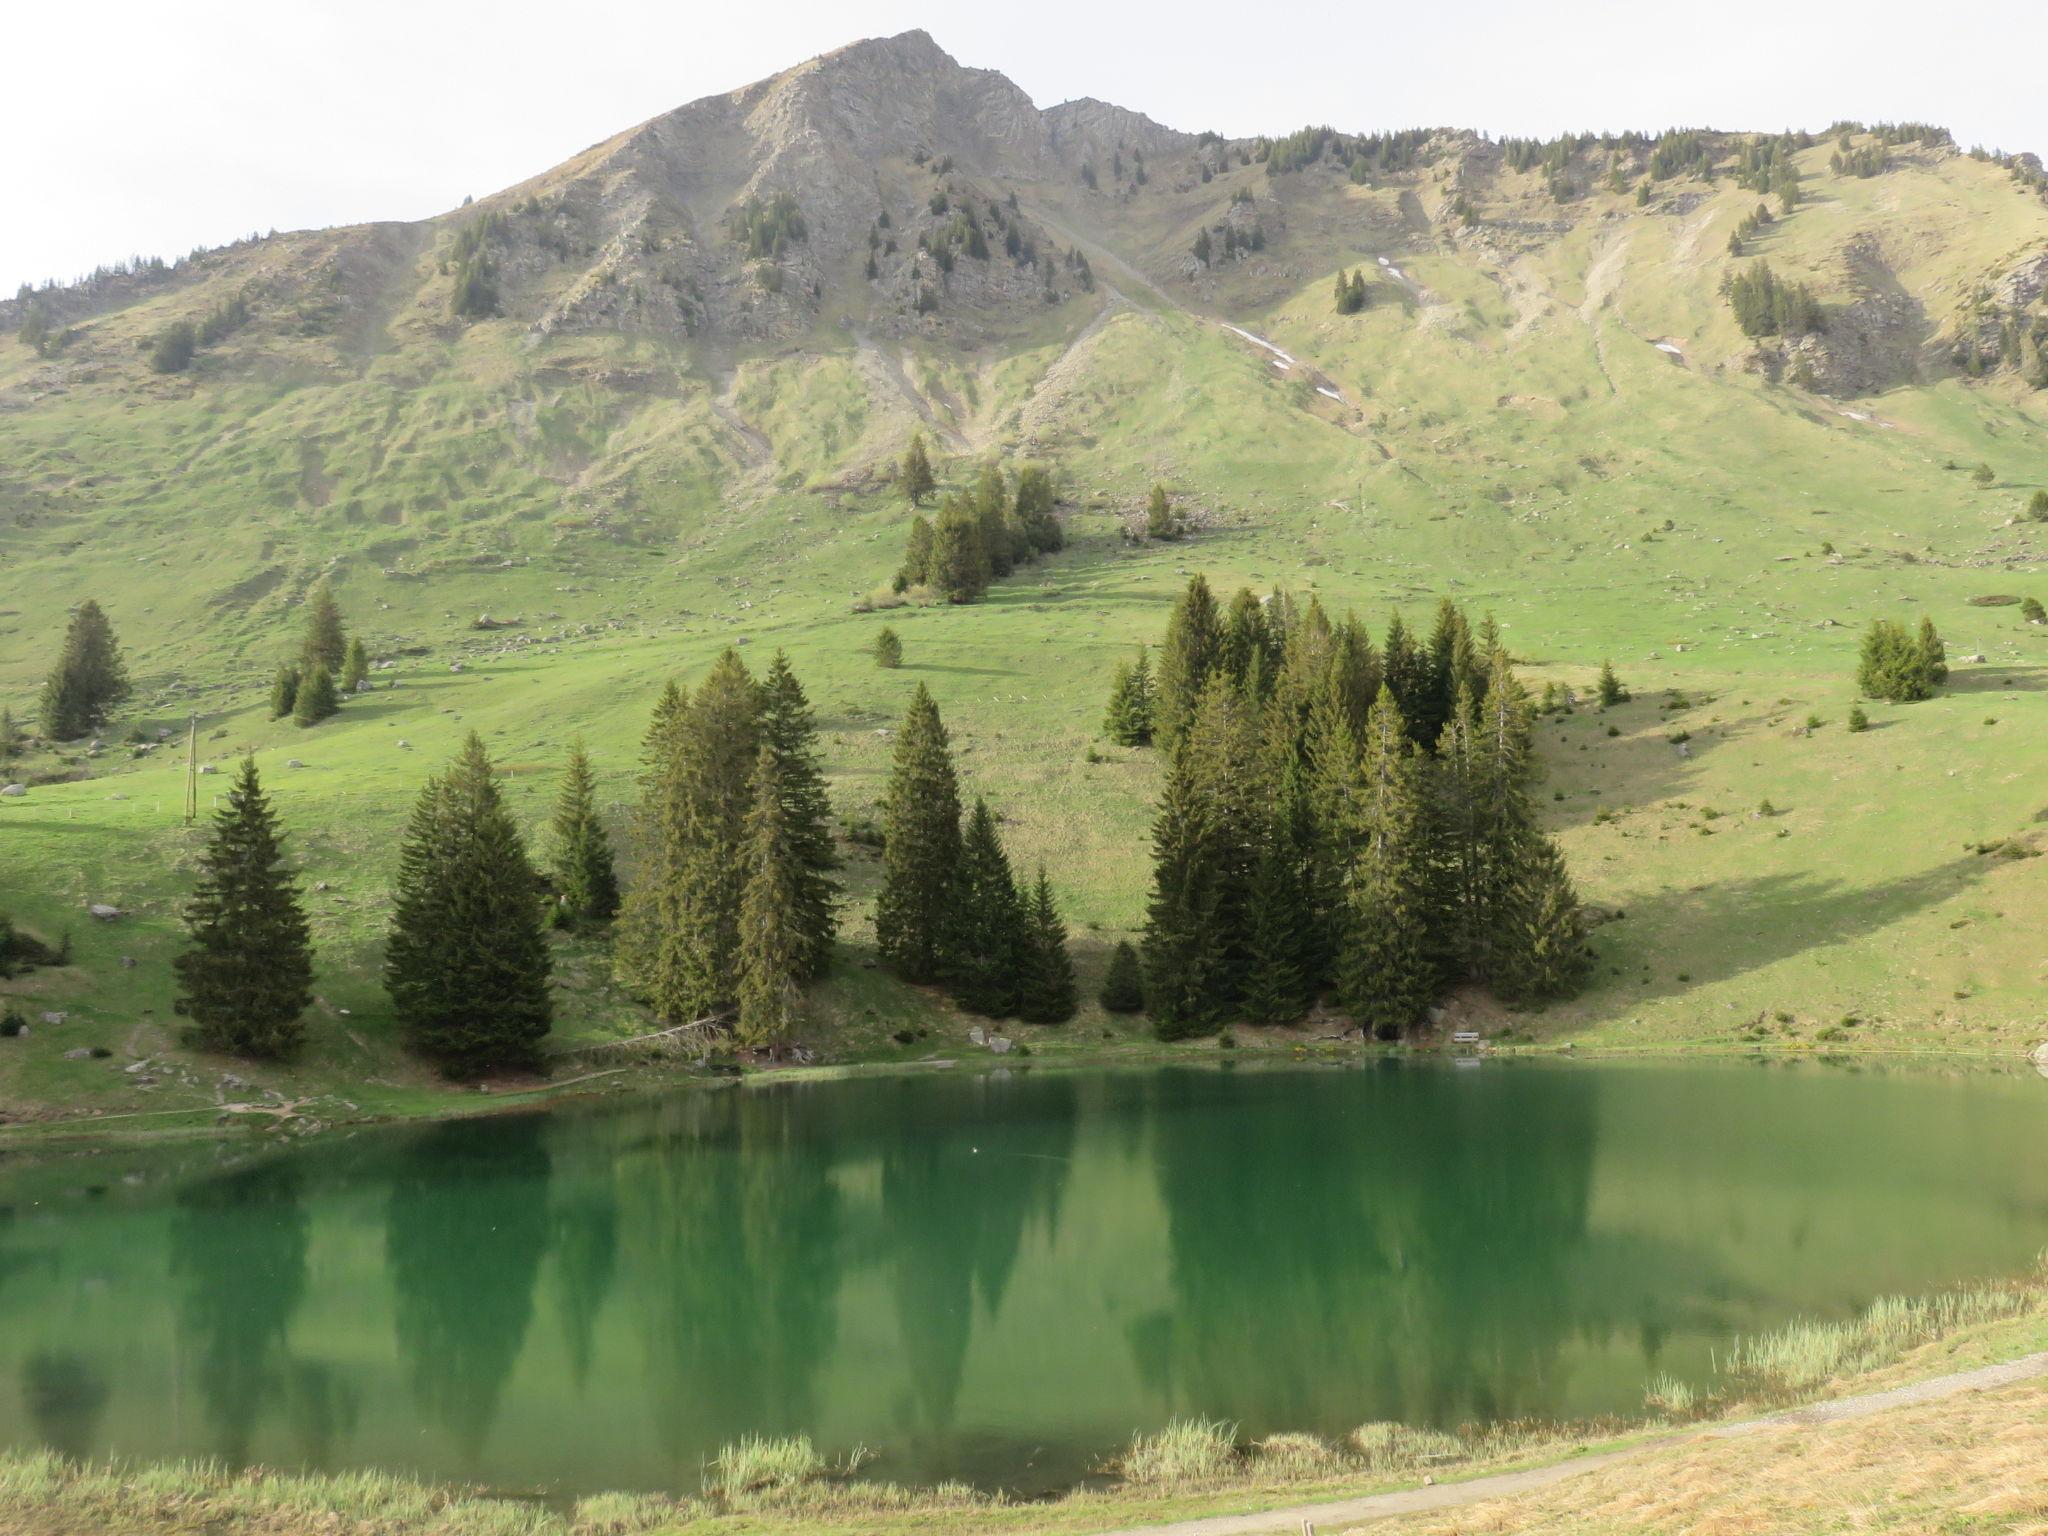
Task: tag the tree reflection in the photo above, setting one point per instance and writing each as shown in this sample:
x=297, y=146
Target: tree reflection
x=65, y=1395
x=466, y=1227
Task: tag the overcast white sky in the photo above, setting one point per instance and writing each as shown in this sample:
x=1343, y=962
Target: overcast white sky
x=151, y=126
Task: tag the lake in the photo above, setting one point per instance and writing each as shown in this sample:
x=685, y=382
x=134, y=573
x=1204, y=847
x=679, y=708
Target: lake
x=995, y=1277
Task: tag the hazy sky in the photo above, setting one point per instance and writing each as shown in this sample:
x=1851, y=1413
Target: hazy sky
x=141, y=126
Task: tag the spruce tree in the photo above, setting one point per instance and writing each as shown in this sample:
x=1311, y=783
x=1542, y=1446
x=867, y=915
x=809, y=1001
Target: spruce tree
x=772, y=944
x=1543, y=949
x=1160, y=523
x=988, y=949
x=960, y=562
x=1611, y=691
x=1384, y=974
x=315, y=699
x=10, y=736
x=579, y=849
x=1033, y=514
x=1245, y=649
x=1502, y=819
x=1048, y=994
x=284, y=691
x=1182, y=951
x=1128, y=720
x=720, y=735
x=991, y=517
x=1123, y=986
x=919, y=548
x=1933, y=655
x=467, y=961
x=643, y=957
x=1355, y=673
x=356, y=666
x=1450, y=655
x=1193, y=639
x=1404, y=666
x=888, y=649
x=1281, y=975
x=326, y=642
x=89, y=680
x=918, y=481
x=246, y=980
x=790, y=733
x=921, y=846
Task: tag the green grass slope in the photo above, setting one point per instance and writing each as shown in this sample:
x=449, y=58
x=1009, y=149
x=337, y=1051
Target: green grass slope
x=1507, y=431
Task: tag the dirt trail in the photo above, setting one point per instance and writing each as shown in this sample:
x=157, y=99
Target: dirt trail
x=1415, y=1501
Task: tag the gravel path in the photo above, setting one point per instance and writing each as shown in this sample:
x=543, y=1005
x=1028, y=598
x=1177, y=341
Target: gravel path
x=1415, y=1501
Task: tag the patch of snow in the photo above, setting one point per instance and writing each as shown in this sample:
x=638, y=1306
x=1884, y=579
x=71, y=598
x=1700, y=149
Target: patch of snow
x=1666, y=346
x=1396, y=272
x=1286, y=359
x=1384, y=262
x=1324, y=389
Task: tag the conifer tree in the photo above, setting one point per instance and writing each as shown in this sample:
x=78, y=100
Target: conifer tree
x=467, y=961
x=921, y=846
x=1047, y=995
x=284, y=691
x=643, y=957
x=1933, y=654
x=326, y=643
x=960, y=563
x=1160, y=523
x=1502, y=819
x=771, y=950
x=1543, y=950
x=1193, y=640
x=1611, y=691
x=1384, y=973
x=10, y=736
x=1355, y=672
x=89, y=679
x=580, y=851
x=1450, y=662
x=1128, y=719
x=918, y=481
x=1033, y=514
x=1245, y=648
x=1182, y=952
x=719, y=737
x=315, y=699
x=790, y=733
x=355, y=666
x=991, y=518
x=246, y=980
x=987, y=951
x=1404, y=666
x=1281, y=974
x=1123, y=985
x=919, y=554
x=888, y=648
x=1899, y=667
x=1331, y=763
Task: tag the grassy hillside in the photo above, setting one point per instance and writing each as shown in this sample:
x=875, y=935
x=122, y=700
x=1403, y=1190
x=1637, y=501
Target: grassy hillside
x=1507, y=430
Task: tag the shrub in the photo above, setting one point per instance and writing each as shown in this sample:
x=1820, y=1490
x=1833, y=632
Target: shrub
x=1900, y=667
x=1858, y=720
x=2037, y=506
x=1983, y=474
x=174, y=346
x=2032, y=611
x=888, y=648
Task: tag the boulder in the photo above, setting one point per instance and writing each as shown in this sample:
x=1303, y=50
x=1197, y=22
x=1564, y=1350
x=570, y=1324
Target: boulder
x=14, y=791
x=999, y=1045
x=55, y=1018
x=102, y=912
x=293, y=762
x=79, y=1053
x=978, y=1035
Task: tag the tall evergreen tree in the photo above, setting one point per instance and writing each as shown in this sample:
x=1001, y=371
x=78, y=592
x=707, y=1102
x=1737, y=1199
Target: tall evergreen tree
x=1355, y=673
x=919, y=556
x=987, y=952
x=315, y=699
x=1047, y=995
x=1405, y=668
x=1500, y=816
x=790, y=732
x=1384, y=972
x=579, y=850
x=10, y=736
x=1243, y=647
x=643, y=956
x=1194, y=637
x=960, y=562
x=1280, y=980
x=284, y=691
x=246, y=980
x=1182, y=951
x=467, y=960
x=1543, y=953
x=1033, y=515
x=1128, y=719
x=918, y=481
x=991, y=517
x=326, y=642
x=1160, y=523
x=921, y=846
x=355, y=666
x=888, y=648
x=720, y=735
x=1933, y=654
x=772, y=945
x=1123, y=985
x=89, y=680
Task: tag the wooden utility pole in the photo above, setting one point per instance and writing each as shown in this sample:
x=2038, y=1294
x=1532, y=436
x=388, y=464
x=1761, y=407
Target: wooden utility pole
x=192, y=771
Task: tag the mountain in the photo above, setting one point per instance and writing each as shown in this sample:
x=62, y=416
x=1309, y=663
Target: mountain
x=579, y=434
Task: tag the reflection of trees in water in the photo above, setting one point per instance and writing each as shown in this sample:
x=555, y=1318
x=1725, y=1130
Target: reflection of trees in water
x=971, y=1165
x=65, y=1395
x=238, y=1253
x=465, y=1229
x=1400, y=1240
x=730, y=1233
x=586, y=1248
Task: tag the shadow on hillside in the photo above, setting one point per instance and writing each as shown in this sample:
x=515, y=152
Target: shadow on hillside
x=1996, y=679
x=1631, y=774
x=1753, y=923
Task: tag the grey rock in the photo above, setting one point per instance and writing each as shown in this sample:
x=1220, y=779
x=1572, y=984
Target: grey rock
x=999, y=1044
x=102, y=912
x=77, y=1053
x=13, y=791
x=293, y=762
x=55, y=1018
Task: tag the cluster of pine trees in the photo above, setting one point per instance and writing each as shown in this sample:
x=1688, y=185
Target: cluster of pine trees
x=1901, y=667
x=1758, y=219
x=1767, y=305
x=734, y=906
x=981, y=534
x=950, y=910
x=89, y=679
x=1351, y=292
x=1341, y=818
x=331, y=665
x=1864, y=162
x=475, y=294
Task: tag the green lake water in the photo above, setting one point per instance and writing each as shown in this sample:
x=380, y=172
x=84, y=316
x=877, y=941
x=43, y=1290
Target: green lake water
x=990, y=1277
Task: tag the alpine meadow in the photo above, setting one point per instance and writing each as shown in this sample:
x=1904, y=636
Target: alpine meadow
x=867, y=577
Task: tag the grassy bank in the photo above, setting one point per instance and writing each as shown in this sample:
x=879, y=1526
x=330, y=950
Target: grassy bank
x=1200, y=1467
